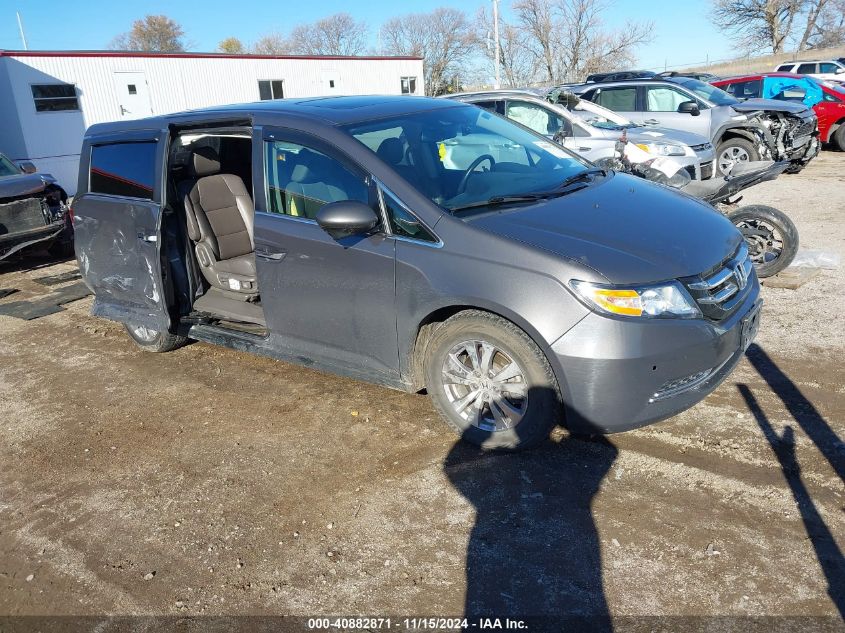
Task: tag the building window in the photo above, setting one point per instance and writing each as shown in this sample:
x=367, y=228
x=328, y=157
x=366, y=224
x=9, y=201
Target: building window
x=54, y=97
x=124, y=169
x=271, y=89
x=409, y=85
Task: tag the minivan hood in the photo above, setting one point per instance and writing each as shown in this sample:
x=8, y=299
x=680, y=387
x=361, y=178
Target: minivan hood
x=751, y=105
x=22, y=185
x=627, y=229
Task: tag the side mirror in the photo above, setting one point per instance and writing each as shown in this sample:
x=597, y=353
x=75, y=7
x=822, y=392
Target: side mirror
x=689, y=107
x=839, y=70
x=345, y=218
x=27, y=167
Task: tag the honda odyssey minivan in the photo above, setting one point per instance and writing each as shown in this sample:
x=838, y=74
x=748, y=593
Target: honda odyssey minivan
x=524, y=290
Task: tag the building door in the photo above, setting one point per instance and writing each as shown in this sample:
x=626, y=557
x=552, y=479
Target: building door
x=133, y=95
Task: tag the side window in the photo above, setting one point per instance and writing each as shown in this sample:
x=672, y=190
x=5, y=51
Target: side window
x=300, y=180
x=785, y=68
x=403, y=223
x=745, y=89
x=664, y=99
x=492, y=106
x=806, y=69
x=828, y=68
x=535, y=117
x=618, y=99
x=123, y=169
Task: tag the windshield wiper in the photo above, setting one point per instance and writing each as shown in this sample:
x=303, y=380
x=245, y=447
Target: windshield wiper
x=510, y=199
x=582, y=175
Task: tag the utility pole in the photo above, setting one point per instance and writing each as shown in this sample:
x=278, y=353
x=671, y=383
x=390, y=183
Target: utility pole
x=498, y=83
x=20, y=28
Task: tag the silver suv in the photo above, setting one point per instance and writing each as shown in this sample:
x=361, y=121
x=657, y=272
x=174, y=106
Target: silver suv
x=749, y=130
x=592, y=131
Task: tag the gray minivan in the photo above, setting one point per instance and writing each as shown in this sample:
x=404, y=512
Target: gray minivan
x=527, y=289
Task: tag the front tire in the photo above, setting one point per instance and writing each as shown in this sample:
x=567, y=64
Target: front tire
x=151, y=340
x=732, y=151
x=491, y=383
x=771, y=236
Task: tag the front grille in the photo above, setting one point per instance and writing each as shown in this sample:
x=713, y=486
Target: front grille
x=706, y=170
x=22, y=215
x=703, y=147
x=718, y=292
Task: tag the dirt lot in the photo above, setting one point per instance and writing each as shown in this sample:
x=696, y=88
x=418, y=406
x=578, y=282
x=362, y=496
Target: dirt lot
x=207, y=481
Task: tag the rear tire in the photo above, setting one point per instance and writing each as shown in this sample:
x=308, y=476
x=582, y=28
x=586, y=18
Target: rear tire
x=517, y=401
x=734, y=150
x=154, y=341
x=839, y=137
x=771, y=236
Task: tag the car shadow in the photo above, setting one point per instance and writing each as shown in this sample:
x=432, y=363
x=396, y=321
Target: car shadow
x=827, y=551
x=534, y=551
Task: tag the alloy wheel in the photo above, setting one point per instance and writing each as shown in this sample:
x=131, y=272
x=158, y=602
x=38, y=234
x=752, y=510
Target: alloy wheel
x=765, y=243
x=730, y=157
x=485, y=385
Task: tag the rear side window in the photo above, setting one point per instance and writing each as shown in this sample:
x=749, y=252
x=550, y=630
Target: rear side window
x=617, y=99
x=124, y=169
x=785, y=68
x=806, y=69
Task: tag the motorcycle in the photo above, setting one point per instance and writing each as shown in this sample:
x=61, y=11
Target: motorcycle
x=771, y=236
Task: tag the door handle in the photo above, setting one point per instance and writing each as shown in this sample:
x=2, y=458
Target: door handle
x=651, y=122
x=583, y=148
x=152, y=239
x=265, y=253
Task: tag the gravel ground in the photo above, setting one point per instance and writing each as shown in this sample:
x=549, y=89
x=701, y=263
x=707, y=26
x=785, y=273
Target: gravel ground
x=208, y=481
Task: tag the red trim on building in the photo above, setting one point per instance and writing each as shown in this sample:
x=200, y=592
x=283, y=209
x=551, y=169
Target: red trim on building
x=4, y=53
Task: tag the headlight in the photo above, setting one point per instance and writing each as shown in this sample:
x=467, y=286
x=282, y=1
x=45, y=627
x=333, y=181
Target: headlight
x=663, y=149
x=663, y=300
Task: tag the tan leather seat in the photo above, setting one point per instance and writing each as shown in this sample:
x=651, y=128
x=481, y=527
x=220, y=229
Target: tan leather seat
x=221, y=218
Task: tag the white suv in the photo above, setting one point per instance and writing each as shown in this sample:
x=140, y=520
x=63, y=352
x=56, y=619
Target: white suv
x=830, y=69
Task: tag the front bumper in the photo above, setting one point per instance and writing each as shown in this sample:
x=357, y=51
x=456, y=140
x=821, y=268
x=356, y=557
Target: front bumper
x=619, y=374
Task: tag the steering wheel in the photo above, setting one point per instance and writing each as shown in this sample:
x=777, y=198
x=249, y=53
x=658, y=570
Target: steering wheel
x=463, y=184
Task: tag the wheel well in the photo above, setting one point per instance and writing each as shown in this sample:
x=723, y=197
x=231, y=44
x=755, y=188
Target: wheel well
x=429, y=324
x=834, y=127
x=735, y=133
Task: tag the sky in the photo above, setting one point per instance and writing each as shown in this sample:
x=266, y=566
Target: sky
x=683, y=35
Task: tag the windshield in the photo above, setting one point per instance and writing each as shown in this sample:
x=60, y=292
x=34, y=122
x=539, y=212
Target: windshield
x=464, y=155
x=706, y=91
x=7, y=168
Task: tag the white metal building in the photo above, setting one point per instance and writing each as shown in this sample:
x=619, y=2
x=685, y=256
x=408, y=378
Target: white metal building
x=49, y=98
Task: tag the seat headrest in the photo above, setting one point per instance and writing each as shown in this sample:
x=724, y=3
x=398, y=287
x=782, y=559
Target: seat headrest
x=306, y=162
x=390, y=151
x=205, y=162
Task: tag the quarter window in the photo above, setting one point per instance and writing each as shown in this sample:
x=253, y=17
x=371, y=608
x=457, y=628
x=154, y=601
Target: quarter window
x=409, y=85
x=403, y=223
x=617, y=99
x=55, y=97
x=271, y=89
x=124, y=169
x=301, y=180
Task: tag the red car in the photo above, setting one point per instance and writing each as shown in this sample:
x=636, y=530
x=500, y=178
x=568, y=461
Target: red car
x=826, y=98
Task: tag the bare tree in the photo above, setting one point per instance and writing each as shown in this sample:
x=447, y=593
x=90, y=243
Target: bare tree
x=338, y=34
x=231, y=46
x=518, y=65
x=567, y=39
x=829, y=27
x=156, y=33
x=759, y=23
x=815, y=9
x=539, y=22
x=272, y=44
x=443, y=38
